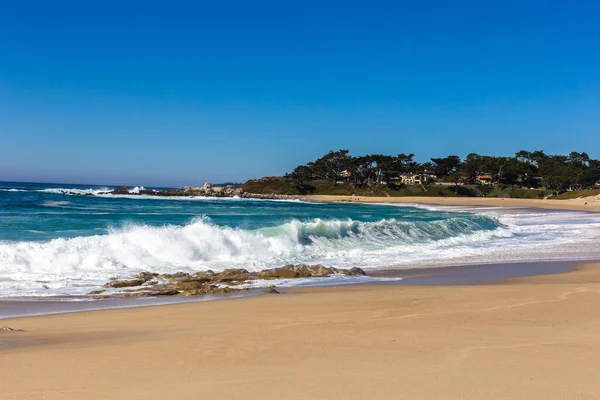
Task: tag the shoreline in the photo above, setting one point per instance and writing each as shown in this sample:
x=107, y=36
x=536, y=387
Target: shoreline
x=482, y=274
x=371, y=341
x=591, y=204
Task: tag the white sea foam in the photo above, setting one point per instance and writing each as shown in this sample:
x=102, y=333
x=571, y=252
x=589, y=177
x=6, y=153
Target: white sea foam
x=75, y=265
x=78, y=192
x=134, y=195
x=51, y=203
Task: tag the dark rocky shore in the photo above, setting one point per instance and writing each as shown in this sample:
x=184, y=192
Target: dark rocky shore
x=209, y=282
x=207, y=190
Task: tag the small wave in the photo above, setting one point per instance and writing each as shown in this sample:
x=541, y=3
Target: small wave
x=50, y=203
x=78, y=192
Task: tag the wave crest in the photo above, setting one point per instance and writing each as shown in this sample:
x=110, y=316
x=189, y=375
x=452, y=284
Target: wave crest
x=91, y=260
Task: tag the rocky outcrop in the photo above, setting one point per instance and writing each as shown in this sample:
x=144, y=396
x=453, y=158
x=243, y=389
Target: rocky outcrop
x=212, y=191
x=307, y=271
x=206, y=190
x=124, y=283
x=121, y=190
x=208, y=282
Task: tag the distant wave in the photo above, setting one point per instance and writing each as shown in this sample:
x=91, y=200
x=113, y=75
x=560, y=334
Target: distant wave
x=50, y=203
x=81, y=192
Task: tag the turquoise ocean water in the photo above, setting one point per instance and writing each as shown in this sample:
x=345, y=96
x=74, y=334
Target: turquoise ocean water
x=69, y=239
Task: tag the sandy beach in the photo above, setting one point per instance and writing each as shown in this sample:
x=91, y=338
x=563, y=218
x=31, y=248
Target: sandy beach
x=590, y=204
x=534, y=338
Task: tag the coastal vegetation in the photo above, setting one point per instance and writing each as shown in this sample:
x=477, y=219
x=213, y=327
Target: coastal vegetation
x=524, y=175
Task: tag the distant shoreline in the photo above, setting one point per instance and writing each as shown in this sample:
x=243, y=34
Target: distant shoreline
x=590, y=204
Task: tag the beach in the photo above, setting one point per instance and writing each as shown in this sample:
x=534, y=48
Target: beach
x=534, y=338
x=524, y=325
x=590, y=204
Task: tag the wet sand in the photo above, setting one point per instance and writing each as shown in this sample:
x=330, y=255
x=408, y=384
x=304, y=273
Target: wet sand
x=452, y=275
x=590, y=204
x=533, y=338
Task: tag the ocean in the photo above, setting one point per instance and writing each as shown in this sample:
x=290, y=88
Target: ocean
x=58, y=240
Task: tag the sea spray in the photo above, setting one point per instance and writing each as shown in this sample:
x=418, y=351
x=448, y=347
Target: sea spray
x=202, y=245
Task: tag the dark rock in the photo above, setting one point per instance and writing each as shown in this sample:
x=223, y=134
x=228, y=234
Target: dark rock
x=174, y=277
x=189, y=285
x=95, y=292
x=357, y=271
x=163, y=293
x=306, y=271
x=271, y=290
x=233, y=274
x=121, y=190
x=125, y=283
x=146, y=276
x=278, y=273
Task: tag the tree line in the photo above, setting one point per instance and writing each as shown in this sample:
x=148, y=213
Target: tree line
x=528, y=169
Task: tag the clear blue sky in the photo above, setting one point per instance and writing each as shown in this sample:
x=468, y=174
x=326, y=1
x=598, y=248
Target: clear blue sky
x=173, y=93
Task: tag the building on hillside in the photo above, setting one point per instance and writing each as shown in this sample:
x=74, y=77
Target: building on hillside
x=483, y=180
x=416, y=179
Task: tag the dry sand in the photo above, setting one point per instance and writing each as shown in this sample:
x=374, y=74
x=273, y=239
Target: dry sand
x=591, y=204
x=531, y=338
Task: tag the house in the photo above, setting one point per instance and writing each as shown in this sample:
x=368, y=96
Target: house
x=415, y=179
x=483, y=180
x=346, y=173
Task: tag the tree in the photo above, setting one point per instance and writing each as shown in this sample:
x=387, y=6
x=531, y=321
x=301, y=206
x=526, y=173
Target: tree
x=330, y=166
x=446, y=166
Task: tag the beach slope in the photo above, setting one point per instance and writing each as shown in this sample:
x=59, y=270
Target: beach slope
x=532, y=338
x=589, y=204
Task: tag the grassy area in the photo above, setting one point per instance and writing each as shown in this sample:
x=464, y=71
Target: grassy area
x=518, y=193
x=324, y=187
x=577, y=194
x=282, y=186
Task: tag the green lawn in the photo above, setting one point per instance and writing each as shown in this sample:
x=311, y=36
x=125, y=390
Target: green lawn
x=577, y=194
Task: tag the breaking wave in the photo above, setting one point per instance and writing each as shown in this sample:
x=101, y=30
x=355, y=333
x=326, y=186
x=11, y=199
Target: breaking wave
x=86, y=261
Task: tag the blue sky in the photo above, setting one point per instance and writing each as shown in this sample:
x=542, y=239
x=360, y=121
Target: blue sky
x=173, y=93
